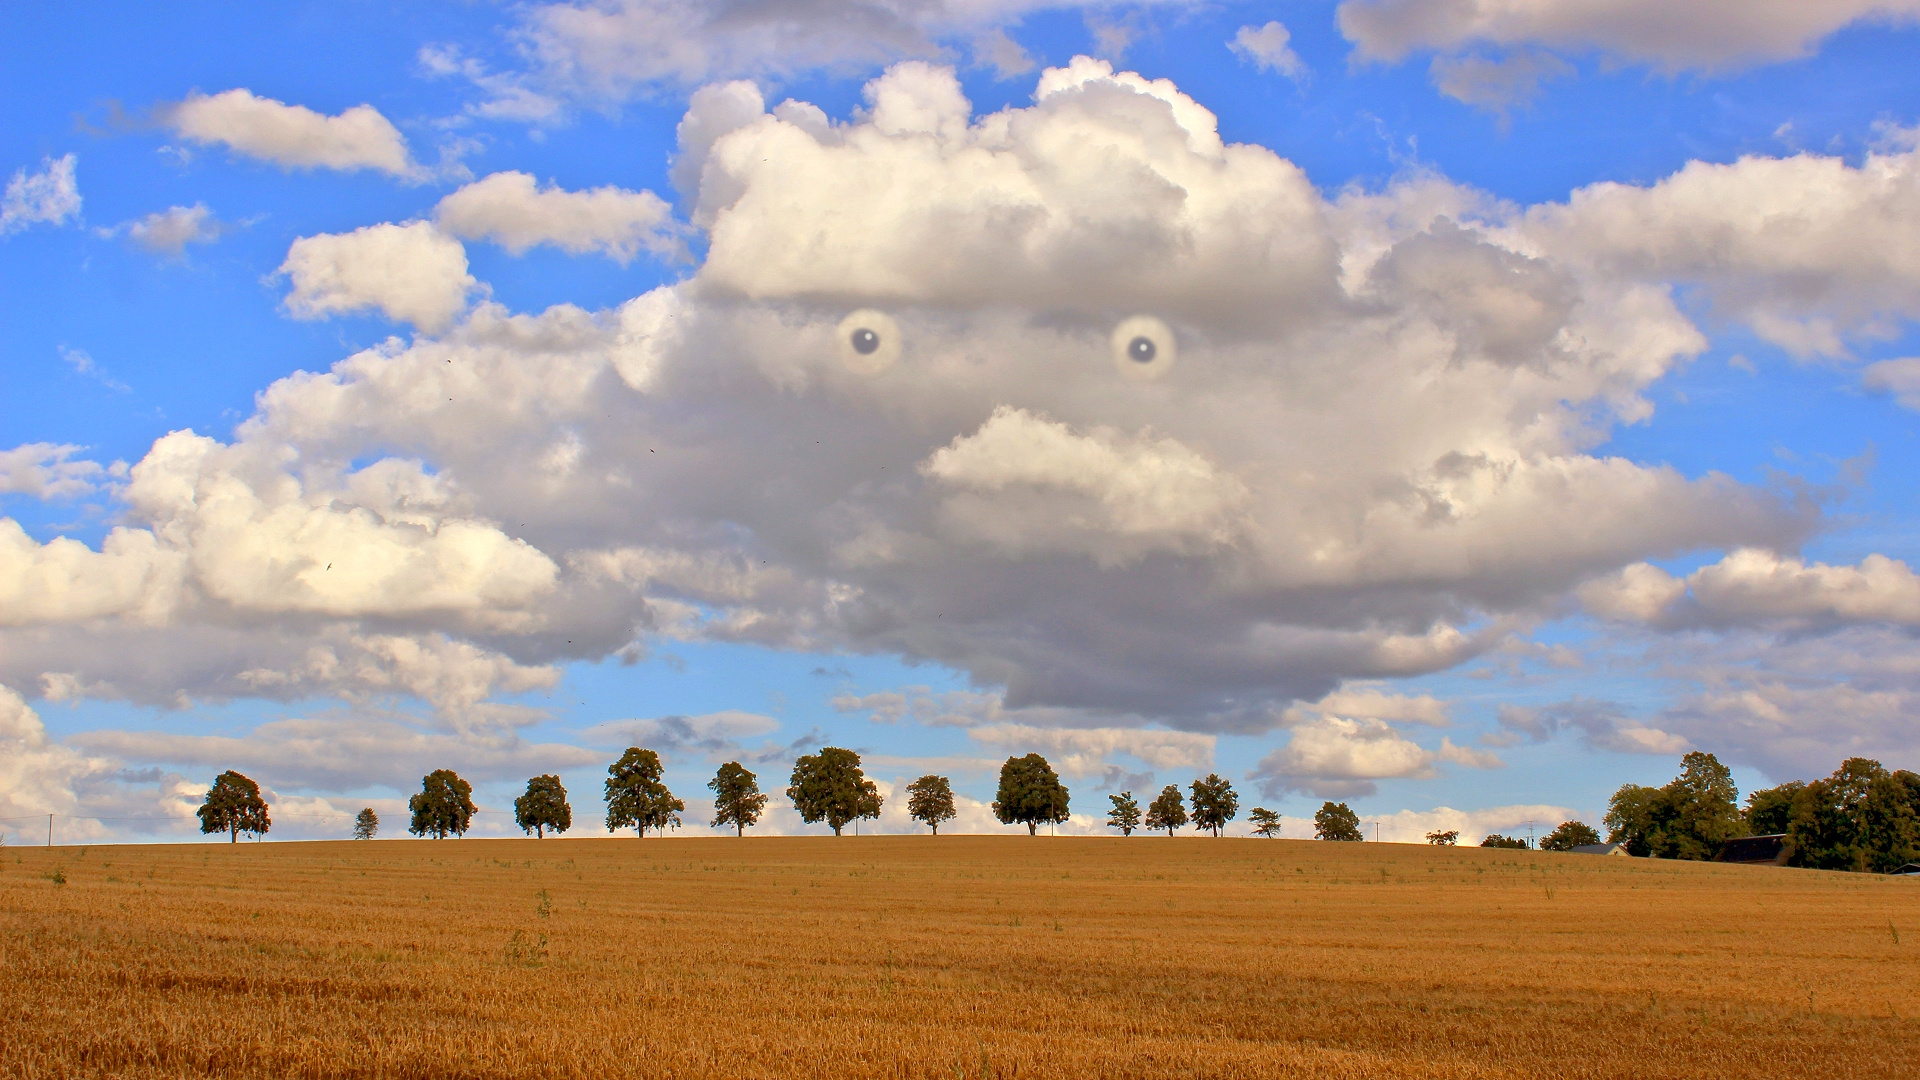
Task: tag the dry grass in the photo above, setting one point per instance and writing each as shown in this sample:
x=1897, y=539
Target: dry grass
x=949, y=957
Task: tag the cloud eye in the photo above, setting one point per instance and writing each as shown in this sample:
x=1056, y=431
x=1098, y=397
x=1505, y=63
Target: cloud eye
x=1144, y=347
x=869, y=341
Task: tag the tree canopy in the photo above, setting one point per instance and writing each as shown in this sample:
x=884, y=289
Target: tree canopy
x=1167, y=811
x=1030, y=794
x=1337, y=821
x=1569, y=835
x=636, y=796
x=1860, y=818
x=233, y=806
x=444, y=805
x=543, y=807
x=1214, y=803
x=1496, y=840
x=1770, y=810
x=930, y=800
x=1265, y=822
x=1125, y=814
x=1690, y=818
x=737, y=798
x=1444, y=837
x=366, y=825
x=829, y=786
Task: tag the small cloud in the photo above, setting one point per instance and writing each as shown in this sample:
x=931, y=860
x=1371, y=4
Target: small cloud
x=1110, y=38
x=1899, y=379
x=1004, y=55
x=1497, y=85
x=83, y=363
x=169, y=231
x=48, y=197
x=1267, y=48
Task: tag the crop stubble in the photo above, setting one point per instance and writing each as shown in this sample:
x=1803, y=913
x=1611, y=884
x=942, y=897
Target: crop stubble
x=950, y=956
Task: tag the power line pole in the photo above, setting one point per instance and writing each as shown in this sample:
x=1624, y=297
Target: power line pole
x=49, y=830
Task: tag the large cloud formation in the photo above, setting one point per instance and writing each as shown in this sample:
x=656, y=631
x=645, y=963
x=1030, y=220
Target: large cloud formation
x=1363, y=446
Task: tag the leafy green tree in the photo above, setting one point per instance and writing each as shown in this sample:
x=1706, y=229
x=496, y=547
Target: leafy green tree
x=1861, y=818
x=1168, y=812
x=1639, y=817
x=1125, y=814
x=1706, y=808
x=636, y=796
x=543, y=807
x=737, y=799
x=233, y=806
x=829, y=786
x=1214, y=803
x=930, y=799
x=1569, y=835
x=1265, y=822
x=1444, y=838
x=444, y=805
x=1770, y=810
x=1030, y=794
x=1495, y=840
x=1337, y=821
x=366, y=825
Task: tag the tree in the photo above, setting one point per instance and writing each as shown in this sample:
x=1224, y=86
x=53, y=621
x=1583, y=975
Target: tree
x=543, y=807
x=1495, y=840
x=1336, y=821
x=930, y=799
x=1030, y=794
x=366, y=825
x=1265, y=822
x=444, y=805
x=1446, y=838
x=1168, y=812
x=1706, y=809
x=1569, y=835
x=1214, y=803
x=1640, y=818
x=1770, y=810
x=1860, y=818
x=636, y=796
x=829, y=786
x=1125, y=814
x=737, y=798
x=233, y=806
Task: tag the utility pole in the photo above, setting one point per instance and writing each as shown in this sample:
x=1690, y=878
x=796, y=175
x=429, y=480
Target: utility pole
x=49, y=830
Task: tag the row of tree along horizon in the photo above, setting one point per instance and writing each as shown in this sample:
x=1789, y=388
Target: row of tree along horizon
x=1863, y=817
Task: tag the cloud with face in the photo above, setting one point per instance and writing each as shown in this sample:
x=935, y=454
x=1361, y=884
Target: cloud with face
x=921, y=398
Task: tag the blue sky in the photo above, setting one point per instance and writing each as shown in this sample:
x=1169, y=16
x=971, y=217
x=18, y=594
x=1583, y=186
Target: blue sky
x=1632, y=329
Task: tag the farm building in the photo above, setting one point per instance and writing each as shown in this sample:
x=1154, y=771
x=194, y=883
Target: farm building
x=1602, y=849
x=1760, y=850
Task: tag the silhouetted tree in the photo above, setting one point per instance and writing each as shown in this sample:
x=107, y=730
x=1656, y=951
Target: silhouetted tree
x=829, y=786
x=636, y=796
x=1214, y=803
x=444, y=805
x=737, y=798
x=543, y=807
x=1125, y=814
x=930, y=799
x=1444, y=837
x=1168, y=811
x=1569, y=835
x=1495, y=840
x=1336, y=821
x=366, y=825
x=1265, y=822
x=1030, y=794
x=233, y=806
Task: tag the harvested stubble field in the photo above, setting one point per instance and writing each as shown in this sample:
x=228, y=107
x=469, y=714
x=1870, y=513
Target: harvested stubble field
x=948, y=957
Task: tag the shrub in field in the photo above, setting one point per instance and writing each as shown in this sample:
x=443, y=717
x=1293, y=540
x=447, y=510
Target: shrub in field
x=829, y=786
x=1168, y=811
x=543, y=807
x=1495, y=840
x=1214, y=803
x=636, y=796
x=1444, y=837
x=1125, y=814
x=1030, y=794
x=366, y=825
x=1337, y=821
x=737, y=799
x=233, y=806
x=444, y=805
x=1569, y=835
x=930, y=799
x=1265, y=822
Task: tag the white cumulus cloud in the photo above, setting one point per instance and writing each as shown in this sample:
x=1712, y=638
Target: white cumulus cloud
x=294, y=136
x=510, y=209
x=1266, y=47
x=411, y=273
x=48, y=197
x=169, y=231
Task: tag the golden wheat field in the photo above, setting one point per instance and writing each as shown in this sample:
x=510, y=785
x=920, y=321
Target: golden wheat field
x=943, y=957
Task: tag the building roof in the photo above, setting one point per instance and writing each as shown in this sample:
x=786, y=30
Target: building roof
x=1771, y=849
x=1601, y=849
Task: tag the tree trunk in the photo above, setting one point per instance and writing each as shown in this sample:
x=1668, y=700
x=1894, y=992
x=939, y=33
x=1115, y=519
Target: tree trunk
x=936, y=828
x=740, y=829
x=1032, y=828
x=233, y=834
x=539, y=832
x=836, y=829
